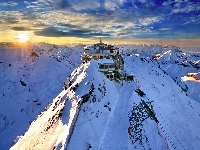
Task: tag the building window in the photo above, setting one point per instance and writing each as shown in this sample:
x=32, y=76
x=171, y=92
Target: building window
x=106, y=67
x=111, y=66
x=101, y=67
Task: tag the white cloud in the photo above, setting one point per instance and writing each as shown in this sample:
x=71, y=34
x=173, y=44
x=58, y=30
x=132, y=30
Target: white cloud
x=9, y=4
x=142, y=1
x=193, y=19
x=164, y=29
x=149, y=20
x=121, y=1
x=113, y=4
x=185, y=7
x=109, y=5
x=85, y=4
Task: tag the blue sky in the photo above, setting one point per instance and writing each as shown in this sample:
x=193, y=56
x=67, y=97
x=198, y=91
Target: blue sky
x=113, y=20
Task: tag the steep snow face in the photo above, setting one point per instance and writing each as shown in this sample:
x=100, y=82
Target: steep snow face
x=176, y=112
x=172, y=117
x=176, y=63
x=30, y=78
x=55, y=124
x=179, y=65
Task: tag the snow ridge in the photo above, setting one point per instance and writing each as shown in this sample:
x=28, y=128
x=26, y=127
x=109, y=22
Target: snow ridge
x=155, y=111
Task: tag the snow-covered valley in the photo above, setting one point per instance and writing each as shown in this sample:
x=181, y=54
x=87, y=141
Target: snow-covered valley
x=160, y=109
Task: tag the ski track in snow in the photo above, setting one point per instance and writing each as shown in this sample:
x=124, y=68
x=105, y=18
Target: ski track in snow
x=120, y=127
x=116, y=123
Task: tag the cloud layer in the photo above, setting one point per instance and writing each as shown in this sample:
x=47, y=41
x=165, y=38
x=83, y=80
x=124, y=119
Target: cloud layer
x=141, y=19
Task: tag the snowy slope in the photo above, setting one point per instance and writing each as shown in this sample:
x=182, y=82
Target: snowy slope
x=31, y=76
x=173, y=61
x=92, y=112
x=178, y=65
x=177, y=114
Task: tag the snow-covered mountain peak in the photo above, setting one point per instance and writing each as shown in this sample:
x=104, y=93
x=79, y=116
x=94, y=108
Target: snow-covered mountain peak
x=59, y=102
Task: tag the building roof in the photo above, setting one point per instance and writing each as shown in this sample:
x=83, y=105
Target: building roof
x=99, y=48
x=91, y=49
x=105, y=61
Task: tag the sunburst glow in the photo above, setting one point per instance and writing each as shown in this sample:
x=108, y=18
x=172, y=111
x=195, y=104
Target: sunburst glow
x=23, y=37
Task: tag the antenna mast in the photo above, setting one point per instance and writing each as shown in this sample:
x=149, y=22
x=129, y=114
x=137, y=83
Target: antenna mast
x=100, y=41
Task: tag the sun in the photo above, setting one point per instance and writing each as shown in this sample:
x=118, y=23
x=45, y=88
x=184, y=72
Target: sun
x=23, y=37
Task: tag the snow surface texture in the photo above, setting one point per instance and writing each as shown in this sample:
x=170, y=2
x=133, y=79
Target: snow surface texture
x=30, y=78
x=158, y=110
